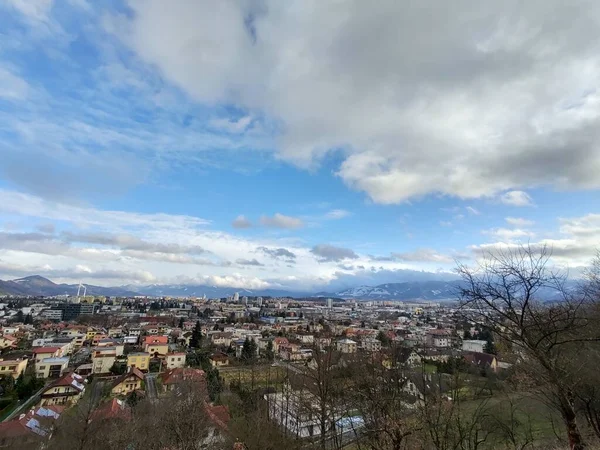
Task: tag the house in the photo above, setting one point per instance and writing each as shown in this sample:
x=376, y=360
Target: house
x=171, y=378
x=474, y=345
x=139, y=360
x=40, y=353
x=482, y=360
x=371, y=345
x=221, y=338
x=12, y=367
x=175, y=360
x=30, y=428
x=219, y=360
x=409, y=356
x=438, y=338
x=156, y=345
x=7, y=341
x=277, y=342
x=103, y=359
x=112, y=409
x=128, y=382
x=51, y=367
x=108, y=342
x=346, y=345
x=68, y=389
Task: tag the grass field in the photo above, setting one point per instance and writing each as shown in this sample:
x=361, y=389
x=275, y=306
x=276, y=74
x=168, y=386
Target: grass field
x=254, y=376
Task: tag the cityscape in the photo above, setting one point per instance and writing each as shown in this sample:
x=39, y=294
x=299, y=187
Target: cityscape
x=299, y=225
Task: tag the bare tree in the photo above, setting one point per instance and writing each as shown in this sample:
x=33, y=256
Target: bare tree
x=379, y=397
x=506, y=292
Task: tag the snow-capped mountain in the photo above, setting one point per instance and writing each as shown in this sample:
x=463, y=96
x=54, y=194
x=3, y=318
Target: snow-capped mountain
x=423, y=290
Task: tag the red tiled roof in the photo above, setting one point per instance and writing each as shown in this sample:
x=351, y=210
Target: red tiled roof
x=70, y=379
x=182, y=374
x=112, y=409
x=46, y=349
x=156, y=340
x=219, y=414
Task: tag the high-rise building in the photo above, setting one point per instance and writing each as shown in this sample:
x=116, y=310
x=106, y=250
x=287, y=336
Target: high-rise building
x=330, y=303
x=245, y=300
x=236, y=297
x=259, y=301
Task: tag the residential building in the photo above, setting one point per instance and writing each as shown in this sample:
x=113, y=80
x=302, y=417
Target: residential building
x=103, y=359
x=371, y=345
x=438, y=338
x=347, y=345
x=219, y=360
x=175, y=360
x=139, y=360
x=7, y=341
x=40, y=353
x=51, y=367
x=68, y=389
x=128, y=382
x=29, y=429
x=482, y=360
x=156, y=345
x=473, y=345
x=171, y=378
x=12, y=367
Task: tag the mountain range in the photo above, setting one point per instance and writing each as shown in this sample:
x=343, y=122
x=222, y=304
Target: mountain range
x=426, y=290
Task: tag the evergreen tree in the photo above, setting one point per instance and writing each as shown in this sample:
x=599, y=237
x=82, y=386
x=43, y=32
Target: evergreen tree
x=181, y=323
x=249, y=351
x=269, y=353
x=196, y=338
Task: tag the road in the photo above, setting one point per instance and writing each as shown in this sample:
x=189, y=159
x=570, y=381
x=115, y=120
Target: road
x=150, y=379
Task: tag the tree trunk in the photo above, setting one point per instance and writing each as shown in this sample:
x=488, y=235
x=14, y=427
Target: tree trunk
x=568, y=413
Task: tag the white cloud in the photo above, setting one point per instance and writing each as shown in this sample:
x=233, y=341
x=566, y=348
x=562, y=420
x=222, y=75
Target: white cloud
x=574, y=247
x=36, y=10
x=389, y=92
x=32, y=206
x=336, y=214
x=422, y=255
x=231, y=126
x=519, y=222
x=282, y=221
x=327, y=253
x=472, y=211
x=508, y=234
x=516, y=198
x=241, y=222
x=12, y=87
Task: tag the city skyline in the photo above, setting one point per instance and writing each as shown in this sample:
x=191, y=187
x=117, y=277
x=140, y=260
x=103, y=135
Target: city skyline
x=307, y=147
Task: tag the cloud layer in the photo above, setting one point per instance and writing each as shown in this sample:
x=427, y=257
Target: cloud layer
x=458, y=99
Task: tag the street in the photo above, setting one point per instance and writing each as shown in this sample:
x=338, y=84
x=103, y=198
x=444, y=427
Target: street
x=150, y=379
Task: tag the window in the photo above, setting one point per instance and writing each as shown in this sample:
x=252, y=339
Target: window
x=42, y=367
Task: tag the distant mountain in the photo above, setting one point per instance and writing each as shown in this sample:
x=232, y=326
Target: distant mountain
x=414, y=290
x=36, y=285
x=182, y=290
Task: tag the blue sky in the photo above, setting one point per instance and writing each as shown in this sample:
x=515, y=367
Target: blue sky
x=308, y=145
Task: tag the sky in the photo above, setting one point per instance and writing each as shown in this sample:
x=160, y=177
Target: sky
x=306, y=145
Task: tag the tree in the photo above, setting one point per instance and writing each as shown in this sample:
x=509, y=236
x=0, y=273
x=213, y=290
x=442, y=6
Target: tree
x=507, y=292
x=384, y=339
x=118, y=369
x=181, y=322
x=269, y=353
x=196, y=337
x=249, y=351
